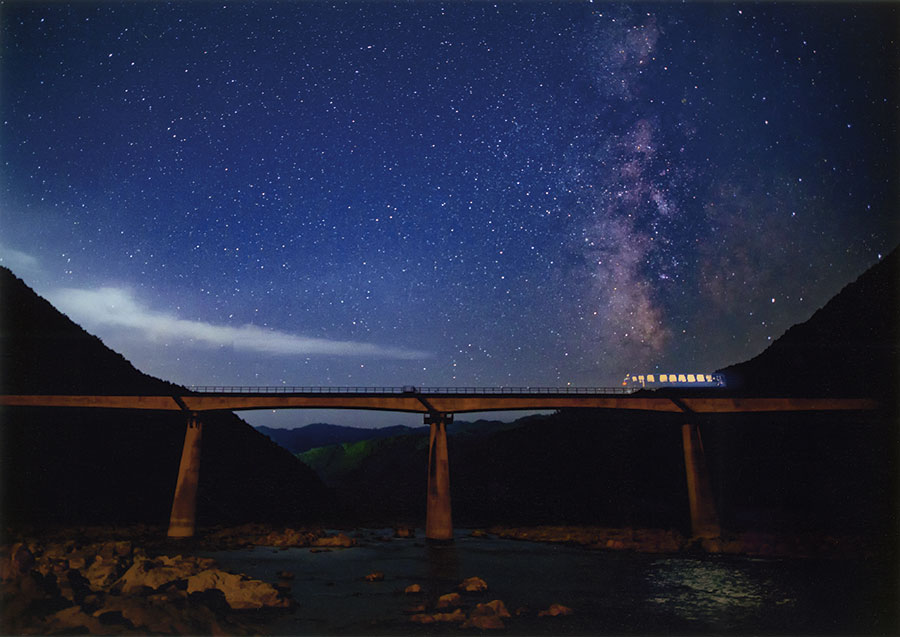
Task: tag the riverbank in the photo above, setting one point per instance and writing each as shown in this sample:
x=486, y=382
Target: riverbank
x=132, y=580
x=752, y=544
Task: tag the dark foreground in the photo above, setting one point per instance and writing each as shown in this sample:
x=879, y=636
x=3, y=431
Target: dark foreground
x=255, y=579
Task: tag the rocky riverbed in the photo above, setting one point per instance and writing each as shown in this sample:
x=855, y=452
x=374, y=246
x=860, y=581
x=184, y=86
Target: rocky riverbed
x=131, y=581
x=134, y=581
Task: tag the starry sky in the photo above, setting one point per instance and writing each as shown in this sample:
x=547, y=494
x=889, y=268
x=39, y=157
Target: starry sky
x=444, y=194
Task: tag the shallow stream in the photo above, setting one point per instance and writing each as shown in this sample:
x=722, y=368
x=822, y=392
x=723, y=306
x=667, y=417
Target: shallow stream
x=610, y=592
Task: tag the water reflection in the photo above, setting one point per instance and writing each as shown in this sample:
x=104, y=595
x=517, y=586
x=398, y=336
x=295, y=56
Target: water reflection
x=710, y=591
x=442, y=561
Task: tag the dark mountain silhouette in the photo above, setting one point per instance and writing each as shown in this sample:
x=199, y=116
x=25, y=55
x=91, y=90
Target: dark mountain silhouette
x=63, y=465
x=577, y=467
x=849, y=347
x=300, y=439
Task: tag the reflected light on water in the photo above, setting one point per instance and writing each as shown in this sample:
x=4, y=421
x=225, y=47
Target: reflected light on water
x=709, y=591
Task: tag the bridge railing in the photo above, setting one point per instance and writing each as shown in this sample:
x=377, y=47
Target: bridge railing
x=288, y=389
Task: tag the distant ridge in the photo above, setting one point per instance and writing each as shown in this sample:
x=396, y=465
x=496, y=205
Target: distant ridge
x=302, y=439
x=849, y=347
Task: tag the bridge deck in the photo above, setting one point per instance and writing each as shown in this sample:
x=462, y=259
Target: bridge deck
x=435, y=401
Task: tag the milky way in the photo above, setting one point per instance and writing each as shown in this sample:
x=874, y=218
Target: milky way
x=461, y=194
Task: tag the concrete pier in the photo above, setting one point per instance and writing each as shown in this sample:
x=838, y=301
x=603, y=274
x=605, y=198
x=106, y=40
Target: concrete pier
x=182, y=522
x=704, y=520
x=438, y=519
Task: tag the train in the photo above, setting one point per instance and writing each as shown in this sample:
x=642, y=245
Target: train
x=658, y=381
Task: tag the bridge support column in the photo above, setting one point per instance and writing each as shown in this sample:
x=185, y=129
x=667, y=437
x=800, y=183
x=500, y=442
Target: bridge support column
x=704, y=520
x=438, y=520
x=182, y=522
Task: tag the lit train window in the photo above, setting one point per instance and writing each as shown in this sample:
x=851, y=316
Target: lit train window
x=700, y=378
x=641, y=378
x=634, y=379
x=690, y=378
x=650, y=378
x=664, y=378
x=681, y=378
x=709, y=378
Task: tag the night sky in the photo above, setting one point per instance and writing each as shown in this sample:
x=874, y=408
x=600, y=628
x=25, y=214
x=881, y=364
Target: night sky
x=452, y=194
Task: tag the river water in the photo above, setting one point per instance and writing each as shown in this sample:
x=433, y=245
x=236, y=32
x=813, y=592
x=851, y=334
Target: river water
x=610, y=592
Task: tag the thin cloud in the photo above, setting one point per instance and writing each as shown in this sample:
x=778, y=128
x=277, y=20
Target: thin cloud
x=117, y=308
x=18, y=261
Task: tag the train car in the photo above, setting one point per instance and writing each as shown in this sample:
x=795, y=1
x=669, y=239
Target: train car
x=658, y=381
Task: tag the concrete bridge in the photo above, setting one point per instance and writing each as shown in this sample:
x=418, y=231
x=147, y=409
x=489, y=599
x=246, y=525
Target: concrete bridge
x=438, y=405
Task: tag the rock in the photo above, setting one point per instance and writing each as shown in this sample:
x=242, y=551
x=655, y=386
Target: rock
x=74, y=620
x=404, y=532
x=555, y=610
x=484, y=622
x=21, y=559
x=101, y=574
x=488, y=616
x=495, y=607
x=151, y=574
x=240, y=591
x=375, y=577
x=123, y=549
x=473, y=585
x=107, y=550
x=450, y=599
x=22, y=595
x=73, y=586
x=412, y=589
x=423, y=618
x=340, y=540
x=159, y=614
x=51, y=566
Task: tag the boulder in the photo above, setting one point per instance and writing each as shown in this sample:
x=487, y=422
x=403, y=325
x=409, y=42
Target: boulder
x=153, y=574
x=450, y=599
x=375, y=577
x=423, y=618
x=495, y=607
x=488, y=616
x=159, y=614
x=412, y=589
x=340, y=540
x=240, y=591
x=484, y=622
x=473, y=585
x=74, y=620
x=21, y=559
x=555, y=610
x=101, y=574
